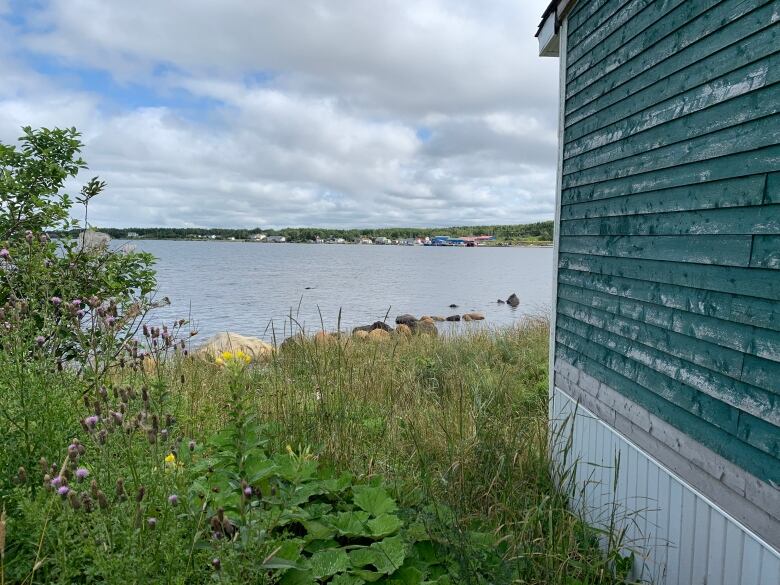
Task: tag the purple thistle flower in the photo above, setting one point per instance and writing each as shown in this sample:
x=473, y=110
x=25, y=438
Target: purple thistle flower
x=216, y=564
x=110, y=321
x=192, y=445
x=173, y=500
x=40, y=340
x=80, y=313
x=91, y=421
x=248, y=492
x=56, y=481
x=63, y=491
x=82, y=473
x=28, y=235
x=5, y=254
x=151, y=522
x=76, y=302
x=56, y=301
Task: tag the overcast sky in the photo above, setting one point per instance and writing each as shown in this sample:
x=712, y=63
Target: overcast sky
x=333, y=113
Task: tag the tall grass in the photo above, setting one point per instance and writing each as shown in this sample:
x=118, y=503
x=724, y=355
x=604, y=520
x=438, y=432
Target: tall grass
x=454, y=420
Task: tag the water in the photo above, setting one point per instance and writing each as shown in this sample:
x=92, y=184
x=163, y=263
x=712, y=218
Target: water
x=247, y=287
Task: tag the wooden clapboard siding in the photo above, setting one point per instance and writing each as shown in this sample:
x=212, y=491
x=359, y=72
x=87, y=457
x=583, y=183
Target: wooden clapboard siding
x=701, y=73
x=668, y=283
x=700, y=43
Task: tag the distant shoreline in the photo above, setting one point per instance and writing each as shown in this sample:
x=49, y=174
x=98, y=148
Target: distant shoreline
x=532, y=244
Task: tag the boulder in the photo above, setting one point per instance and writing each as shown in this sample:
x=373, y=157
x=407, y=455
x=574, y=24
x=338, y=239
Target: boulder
x=375, y=325
x=425, y=328
x=513, y=300
x=453, y=318
x=405, y=319
x=403, y=330
x=293, y=342
x=378, y=335
x=467, y=317
x=453, y=306
x=360, y=334
x=473, y=317
x=437, y=318
x=257, y=349
x=323, y=337
x=426, y=319
x=500, y=302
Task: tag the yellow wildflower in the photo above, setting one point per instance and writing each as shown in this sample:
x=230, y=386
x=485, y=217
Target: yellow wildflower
x=170, y=459
x=227, y=355
x=219, y=361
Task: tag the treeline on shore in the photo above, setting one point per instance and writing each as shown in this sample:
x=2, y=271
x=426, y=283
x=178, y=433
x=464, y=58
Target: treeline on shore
x=533, y=232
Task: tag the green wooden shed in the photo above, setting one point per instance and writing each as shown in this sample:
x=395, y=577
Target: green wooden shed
x=665, y=349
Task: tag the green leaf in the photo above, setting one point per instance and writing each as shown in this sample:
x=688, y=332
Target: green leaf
x=298, y=577
x=349, y=523
x=406, y=576
x=329, y=562
x=384, y=525
x=390, y=554
x=373, y=500
x=347, y=579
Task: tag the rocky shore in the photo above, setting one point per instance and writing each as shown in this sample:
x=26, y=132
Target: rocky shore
x=405, y=325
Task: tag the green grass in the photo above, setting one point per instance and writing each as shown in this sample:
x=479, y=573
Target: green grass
x=453, y=427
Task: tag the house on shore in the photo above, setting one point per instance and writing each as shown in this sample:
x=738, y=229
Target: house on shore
x=665, y=343
x=275, y=239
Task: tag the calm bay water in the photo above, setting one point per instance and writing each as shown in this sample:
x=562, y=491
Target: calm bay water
x=247, y=287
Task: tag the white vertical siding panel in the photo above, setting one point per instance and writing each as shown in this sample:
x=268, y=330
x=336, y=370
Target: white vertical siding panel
x=681, y=537
x=716, y=550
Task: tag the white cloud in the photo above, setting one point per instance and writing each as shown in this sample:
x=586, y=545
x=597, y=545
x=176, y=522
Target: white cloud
x=306, y=113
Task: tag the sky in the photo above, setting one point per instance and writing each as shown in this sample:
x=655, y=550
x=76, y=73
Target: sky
x=331, y=113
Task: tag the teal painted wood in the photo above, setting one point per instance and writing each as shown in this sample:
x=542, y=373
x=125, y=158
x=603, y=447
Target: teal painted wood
x=772, y=191
x=595, y=13
x=743, y=83
x=613, y=107
x=756, y=341
x=739, y=192
x=756, y=312
x=764, y=132
x=760, y=219
x=749, y=458
x=743, y=164
x=766, y=252
x=686, y=384
x=668, y=289
x=627, y=23
x=763, y=284
x=657, y=41
x=720, y=250
x=704, y=340
x=747, y=19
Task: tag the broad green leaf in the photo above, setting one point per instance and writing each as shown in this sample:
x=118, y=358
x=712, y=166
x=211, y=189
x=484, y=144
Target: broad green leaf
x=259, y=469
x=373, y=500
x=384, y=525
x=406, y=576
x=329, y=562
x=346, y=579
x=349, y=523
x=390, y=554
x=298, y=577
x=317, y=530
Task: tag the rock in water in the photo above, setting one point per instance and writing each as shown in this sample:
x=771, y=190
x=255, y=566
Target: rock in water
x=424, y=328
x=405, y=319
x=473, y=317
x=500, y=302
x=453, y=306
x=466, y=318
x=375, y=325
x=513, y=301
x=257, y=349
x=453, y=318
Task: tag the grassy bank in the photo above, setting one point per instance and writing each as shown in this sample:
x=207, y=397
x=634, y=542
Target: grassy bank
x=451, y=431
